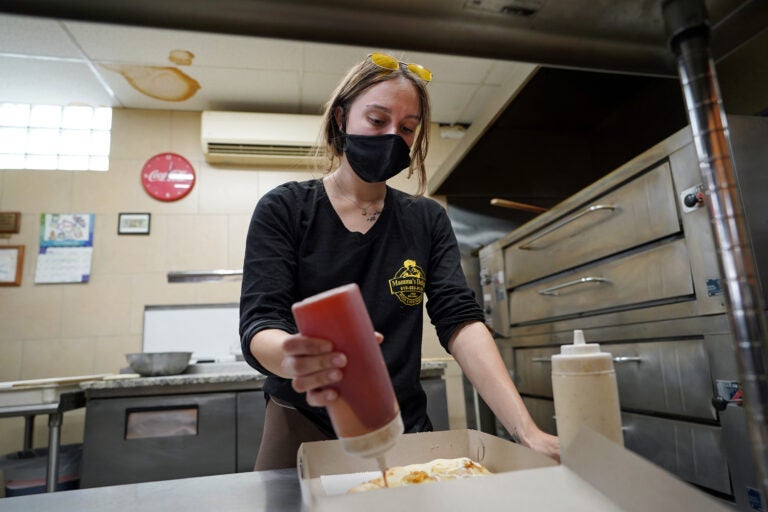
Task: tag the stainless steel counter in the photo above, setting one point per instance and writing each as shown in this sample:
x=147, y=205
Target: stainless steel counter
x=273, y=491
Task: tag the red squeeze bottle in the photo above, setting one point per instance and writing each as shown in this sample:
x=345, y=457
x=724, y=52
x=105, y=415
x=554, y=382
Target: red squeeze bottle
x=366, y=416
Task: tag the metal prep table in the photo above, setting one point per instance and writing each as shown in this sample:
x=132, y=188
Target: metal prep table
x=53, y=400
x=273, y=491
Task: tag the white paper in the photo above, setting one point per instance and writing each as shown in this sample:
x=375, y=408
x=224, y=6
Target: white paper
x=64, y=265
x=8, y=263
x=66, y=248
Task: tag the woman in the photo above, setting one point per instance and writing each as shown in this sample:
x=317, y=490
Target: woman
x=350, y=226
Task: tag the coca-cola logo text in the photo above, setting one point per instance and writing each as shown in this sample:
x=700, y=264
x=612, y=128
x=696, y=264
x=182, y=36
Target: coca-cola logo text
x=156, y=175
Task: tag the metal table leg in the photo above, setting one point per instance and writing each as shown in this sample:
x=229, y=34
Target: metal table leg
x=54, y=438
x=29, y=430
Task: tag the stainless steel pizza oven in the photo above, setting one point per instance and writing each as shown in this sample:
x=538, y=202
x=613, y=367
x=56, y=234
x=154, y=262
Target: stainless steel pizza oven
x=631, y=260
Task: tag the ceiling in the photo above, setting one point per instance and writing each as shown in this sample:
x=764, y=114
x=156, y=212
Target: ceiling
x=50, y=61
x=569, y=89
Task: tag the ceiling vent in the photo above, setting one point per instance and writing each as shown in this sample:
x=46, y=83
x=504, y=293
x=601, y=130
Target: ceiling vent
x=260, y=140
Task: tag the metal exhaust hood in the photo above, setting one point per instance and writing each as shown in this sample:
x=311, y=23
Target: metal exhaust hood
x=609, y=35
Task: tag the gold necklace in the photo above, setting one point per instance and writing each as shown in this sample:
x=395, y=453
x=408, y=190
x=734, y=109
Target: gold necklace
x=370, y=217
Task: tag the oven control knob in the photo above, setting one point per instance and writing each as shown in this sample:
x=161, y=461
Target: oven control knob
x=692, y=200
x=719, y=403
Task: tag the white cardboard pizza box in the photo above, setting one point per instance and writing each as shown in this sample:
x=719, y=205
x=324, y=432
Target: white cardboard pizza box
x=598, y=476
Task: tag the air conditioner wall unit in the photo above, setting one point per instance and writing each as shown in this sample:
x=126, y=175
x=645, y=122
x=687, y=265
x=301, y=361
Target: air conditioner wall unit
x=260, y=140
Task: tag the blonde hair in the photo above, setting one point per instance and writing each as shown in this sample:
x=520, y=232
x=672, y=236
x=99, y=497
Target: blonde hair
x=362, y=76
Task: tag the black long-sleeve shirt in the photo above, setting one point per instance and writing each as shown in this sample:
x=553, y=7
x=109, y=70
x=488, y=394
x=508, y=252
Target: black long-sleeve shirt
x=297, y=246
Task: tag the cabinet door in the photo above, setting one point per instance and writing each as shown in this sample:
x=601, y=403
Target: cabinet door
x=437, y=402
x=145, y=439
x=251, y=408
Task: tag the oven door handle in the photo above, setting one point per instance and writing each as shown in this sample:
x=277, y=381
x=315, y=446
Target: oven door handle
x=555, y=290
x=627, y=359
x=528, y=246
x=617, y=359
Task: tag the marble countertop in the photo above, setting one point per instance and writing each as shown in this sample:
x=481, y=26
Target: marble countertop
x=176, y=380
x=431, y=368
x=210, y=376
x=433, y=364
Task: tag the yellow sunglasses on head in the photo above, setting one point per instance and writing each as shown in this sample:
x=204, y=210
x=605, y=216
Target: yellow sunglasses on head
x=388, y=62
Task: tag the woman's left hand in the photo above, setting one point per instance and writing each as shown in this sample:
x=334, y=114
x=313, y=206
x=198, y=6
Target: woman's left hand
x=542, y=442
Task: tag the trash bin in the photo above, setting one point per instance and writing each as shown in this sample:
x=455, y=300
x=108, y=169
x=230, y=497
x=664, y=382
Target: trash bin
x=24, y=472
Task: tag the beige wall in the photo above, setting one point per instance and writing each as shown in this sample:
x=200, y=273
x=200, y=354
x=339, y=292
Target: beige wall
x=56, y=330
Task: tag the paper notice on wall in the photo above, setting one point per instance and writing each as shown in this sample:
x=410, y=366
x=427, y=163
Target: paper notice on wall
x=66, y=248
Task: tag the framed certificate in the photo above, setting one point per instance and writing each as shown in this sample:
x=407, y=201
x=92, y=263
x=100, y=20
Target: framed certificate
x=133, y=224
x=11, y=264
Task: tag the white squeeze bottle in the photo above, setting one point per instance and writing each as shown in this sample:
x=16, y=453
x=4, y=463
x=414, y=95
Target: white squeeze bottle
x=585, y=391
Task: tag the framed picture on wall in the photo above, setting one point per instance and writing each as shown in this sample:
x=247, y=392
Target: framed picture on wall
x=133, y=223
x=11, y=264
x=10, y=222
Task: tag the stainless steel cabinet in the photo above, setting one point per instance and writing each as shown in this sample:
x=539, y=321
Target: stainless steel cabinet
x=130, y=439
x=154, y=432
x=142, y=439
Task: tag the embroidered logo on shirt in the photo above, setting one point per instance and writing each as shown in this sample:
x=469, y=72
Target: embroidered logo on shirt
x=408, y=283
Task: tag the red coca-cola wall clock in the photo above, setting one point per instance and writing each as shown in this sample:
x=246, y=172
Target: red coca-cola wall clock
x=168, y=176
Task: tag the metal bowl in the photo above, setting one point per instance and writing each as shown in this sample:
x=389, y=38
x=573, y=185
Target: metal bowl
x=153, y=364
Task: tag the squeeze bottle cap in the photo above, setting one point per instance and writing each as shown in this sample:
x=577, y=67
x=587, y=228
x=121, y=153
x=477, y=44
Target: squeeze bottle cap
x=579, y=346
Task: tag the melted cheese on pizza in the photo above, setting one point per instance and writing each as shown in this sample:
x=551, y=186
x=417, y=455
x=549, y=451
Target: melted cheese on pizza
x=434, y=471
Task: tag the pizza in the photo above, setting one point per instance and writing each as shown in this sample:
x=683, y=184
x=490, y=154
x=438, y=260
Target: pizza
x=437, y=470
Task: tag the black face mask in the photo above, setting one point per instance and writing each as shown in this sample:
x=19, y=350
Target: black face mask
x=376, y=158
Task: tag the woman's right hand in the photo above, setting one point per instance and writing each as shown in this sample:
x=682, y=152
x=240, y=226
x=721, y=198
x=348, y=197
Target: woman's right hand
x=313, y=368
